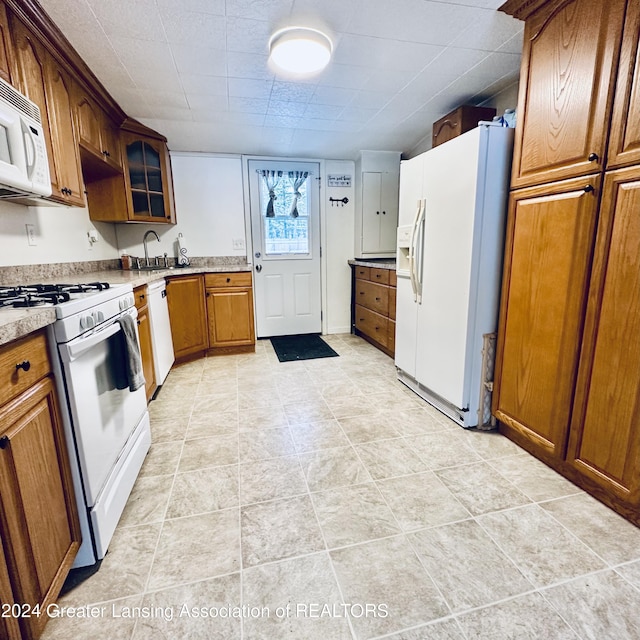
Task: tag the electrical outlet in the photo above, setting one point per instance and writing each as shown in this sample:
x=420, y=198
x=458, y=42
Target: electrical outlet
x=238, y=244
x=32, y=239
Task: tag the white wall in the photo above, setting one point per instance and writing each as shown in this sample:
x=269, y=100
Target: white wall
x=60, y=232
x=337, y=247
x=209, y=208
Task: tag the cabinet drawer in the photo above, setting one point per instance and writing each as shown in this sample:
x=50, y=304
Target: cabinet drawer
x=391, y=337
x=392, y=303
x=373, y=324
x=381, y=276
x=373, y=296
x=140, y=295
x=393, y=278
x=14, y=380
x=235, y=279
x=363, y=273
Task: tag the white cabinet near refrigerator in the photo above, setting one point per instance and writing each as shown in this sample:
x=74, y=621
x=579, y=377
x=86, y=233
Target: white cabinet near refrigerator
x=377, y=177
x=449, y=260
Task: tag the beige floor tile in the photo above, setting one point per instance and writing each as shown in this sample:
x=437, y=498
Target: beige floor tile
x=390, y=458
x=540, y=547
x=304, y=412
x=302, y=584
x=204, y=490
x=256, y=397
x=443, y=449
x=108, y=622
x=387, y=573
x=148, y=501
x=480, y=488
x=209, y=452
x=414, y=422
x=168, y=429
x=331, y=388
x=354, y=514
x=612, y=537
x=598, y=606
x=124, y=570
x=360, y=429
x=262, y=418
x=318, y=435
x=214, y=423
x=265, y=444
x=489, y=444
x=333, y=468
x=195, y=548
x=279, y=529
x=421, y=500
x=181, y=606
x=631, y=572
x=534, y=478
x=177, y=411
x=468, y=567
x=222, y=402
x=525, y=618
x=445, y=630
x=217, y=387
x=292, y=393
x=269, y=479
x=361, y=405
x=162, y=459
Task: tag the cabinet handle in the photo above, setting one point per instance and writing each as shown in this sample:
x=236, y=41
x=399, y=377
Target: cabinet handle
x=361, y=293
x=4, y=442
x=228, y=279
x=138, y=322
x=593, y=157
x=588, y=188
x=142, y=296
x=377, y=299
x=377, y=275
x=25, y=365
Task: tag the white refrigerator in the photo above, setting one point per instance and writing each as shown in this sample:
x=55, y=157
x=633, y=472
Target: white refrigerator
x=453, y=202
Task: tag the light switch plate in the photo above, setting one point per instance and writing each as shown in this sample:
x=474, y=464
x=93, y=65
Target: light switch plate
x=238, y=244
x=32, y=239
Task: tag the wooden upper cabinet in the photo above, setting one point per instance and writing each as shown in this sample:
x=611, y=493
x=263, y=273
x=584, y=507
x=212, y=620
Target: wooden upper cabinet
x=97, y=135
x=605, y=440
x=624, y=143
x=548, y=255
x=44, y=82
x=570, y=55
x=6, y=47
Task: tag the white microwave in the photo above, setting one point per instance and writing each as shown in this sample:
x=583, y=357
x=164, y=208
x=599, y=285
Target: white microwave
x=24, y=166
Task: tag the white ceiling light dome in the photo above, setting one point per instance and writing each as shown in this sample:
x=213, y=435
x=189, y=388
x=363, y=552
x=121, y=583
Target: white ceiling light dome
x=300, y=50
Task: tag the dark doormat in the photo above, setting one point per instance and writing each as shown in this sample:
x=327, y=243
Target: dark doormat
x=305, y=347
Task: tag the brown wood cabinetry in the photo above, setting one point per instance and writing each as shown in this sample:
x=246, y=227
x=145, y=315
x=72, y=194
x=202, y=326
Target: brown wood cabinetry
x=570, y=56
x=374, y=306
x=460, y=121
x=188, y=316
x=38, y=518
x=44, y=81
x=230, y=312
x=567, y=383
x=146, y=342
x=6, y=46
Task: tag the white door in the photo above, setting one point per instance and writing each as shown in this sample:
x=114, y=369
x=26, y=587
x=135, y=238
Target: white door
x=285, y=227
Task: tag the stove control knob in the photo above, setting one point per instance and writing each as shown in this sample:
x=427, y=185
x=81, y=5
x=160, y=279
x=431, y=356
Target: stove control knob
x=100, y=316
x=87, y=322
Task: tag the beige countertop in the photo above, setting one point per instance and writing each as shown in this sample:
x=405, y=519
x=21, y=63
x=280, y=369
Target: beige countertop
x=378, y=263
x=17, y=323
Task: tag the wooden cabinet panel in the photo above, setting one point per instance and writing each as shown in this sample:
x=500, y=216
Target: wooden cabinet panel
x=146, y=341
x=31, y=354
x=363, y=273
x=188, y=315
x=230, y=314
x=6, y=46
x=457, y=122
x=235, y=279
x=373, y=296
x=39, y=524
x=548, y=256
x=566, y=89
x=381, y=276
x=624, y=144
x=372, y=324
x=605, y=440
x=9, y=628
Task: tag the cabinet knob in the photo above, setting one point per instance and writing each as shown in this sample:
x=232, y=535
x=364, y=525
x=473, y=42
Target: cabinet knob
x=384, y=213
x=142, y=296
x=588, y=188
x=593, y=157
x=25, y=365
x=377, y=213
x=138, y=322
x=377, y=299
x=228, y=279
x=4, y=442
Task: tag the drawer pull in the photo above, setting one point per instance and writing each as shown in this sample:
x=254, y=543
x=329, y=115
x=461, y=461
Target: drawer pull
x=228, y=279
x=593, y=157
x=4, y=442
x=377, y=275
x=377, y=299
x=25, y=365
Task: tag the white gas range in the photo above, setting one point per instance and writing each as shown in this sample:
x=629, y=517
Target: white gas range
x=106, y=423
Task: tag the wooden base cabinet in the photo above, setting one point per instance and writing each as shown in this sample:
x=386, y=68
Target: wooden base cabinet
x=146, y=341
x=38, y=518
x=230, y=312
x=188, y=316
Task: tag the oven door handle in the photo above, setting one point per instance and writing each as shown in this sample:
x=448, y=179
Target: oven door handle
x=74, y=349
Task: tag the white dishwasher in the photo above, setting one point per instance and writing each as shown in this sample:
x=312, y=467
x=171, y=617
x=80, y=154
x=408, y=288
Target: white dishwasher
x=160, y=330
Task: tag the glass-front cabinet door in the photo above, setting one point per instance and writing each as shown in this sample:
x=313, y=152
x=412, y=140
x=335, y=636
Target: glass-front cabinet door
x=149, y=185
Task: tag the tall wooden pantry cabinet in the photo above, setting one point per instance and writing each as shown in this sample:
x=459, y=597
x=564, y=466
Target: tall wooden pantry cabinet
x=567, y=382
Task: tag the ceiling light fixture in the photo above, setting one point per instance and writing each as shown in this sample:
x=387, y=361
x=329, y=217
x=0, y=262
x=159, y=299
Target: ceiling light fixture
x=300, y=50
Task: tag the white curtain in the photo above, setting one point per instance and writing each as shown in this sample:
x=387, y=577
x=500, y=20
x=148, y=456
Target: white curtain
x=297, y=179
x=272, y=180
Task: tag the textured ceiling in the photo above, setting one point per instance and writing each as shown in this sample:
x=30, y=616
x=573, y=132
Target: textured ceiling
x=196, y=70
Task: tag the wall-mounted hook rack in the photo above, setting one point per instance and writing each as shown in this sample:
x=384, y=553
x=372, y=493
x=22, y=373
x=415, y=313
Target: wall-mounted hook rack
x=343, y=201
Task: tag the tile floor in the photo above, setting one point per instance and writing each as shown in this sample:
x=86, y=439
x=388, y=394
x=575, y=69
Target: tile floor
x=299, y=492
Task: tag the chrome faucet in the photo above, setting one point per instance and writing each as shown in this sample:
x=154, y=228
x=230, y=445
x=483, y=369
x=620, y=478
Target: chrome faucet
x=144, y=244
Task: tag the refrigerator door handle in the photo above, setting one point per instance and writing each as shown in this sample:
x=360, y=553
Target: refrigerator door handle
x=412, y=247
x=417, y=250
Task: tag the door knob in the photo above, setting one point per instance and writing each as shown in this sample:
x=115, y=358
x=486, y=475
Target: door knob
x=258, y=268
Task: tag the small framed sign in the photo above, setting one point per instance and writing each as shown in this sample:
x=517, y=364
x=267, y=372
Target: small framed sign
x=338, y=180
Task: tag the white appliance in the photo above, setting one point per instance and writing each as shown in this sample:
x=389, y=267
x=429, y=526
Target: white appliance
x=449, y=259
x=24, y=167
x=106, y=425
x=163, y=355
